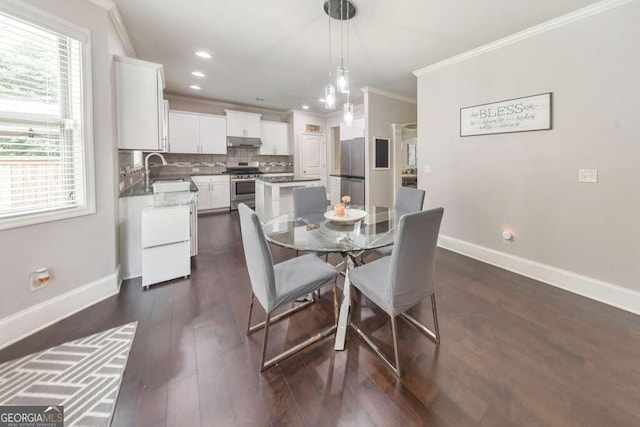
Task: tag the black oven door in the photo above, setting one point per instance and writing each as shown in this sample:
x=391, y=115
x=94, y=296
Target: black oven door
x=244, y=190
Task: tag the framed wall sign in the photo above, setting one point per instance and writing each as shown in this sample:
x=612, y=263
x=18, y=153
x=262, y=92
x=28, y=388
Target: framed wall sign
x=313, y=128
x=382, y=151
x=514, y=115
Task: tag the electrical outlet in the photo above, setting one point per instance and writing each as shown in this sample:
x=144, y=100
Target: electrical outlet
x=121, y=185
x=196, y=169
x=39, y=279
x=426, y=168
x=588, y=175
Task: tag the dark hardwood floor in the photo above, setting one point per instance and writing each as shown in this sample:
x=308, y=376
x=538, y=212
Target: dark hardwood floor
x=513, y=352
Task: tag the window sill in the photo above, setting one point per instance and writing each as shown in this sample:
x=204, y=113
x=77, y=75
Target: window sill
x=43, y=217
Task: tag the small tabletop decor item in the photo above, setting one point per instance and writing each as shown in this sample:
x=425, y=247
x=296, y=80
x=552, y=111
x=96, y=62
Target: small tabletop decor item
x=339, y=210
x=346, y=200
x=349, y=217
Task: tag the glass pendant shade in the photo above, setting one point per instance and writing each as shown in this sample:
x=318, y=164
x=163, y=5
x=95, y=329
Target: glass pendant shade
x=329, y=97
x=348, y=112
x=342, y=80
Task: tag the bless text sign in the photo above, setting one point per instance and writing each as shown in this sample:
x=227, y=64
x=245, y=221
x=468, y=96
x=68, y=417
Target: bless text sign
x=515, y=115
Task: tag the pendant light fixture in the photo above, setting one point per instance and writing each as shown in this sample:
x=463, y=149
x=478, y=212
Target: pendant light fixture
x=329, y=88
x=342, y=74
x=343, y=10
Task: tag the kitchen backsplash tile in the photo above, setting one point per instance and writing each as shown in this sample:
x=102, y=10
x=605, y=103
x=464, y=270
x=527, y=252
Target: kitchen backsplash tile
x=189, y=164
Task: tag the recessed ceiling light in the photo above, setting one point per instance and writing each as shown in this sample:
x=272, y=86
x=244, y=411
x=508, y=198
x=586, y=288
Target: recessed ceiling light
x=197, y=74
x=203, y=54
x=321, y=100
x=305, y=107
x=195, y=87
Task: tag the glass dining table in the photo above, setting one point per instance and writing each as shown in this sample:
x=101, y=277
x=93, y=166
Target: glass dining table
x=315, y=233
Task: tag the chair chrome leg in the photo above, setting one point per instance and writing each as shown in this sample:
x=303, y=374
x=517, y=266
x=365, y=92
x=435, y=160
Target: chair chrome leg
x=264, y=343
x=279, y=317
x=394, y=333
x=336, y=309
x=435, y=317
x=250, y=311
x=319, y=336
x=376, y=349
x=435, y=337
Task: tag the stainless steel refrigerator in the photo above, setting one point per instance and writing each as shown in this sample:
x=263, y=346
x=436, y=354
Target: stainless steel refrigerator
x=352, y=169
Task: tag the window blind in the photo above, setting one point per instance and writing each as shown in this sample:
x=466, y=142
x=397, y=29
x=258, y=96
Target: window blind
x=41, y=120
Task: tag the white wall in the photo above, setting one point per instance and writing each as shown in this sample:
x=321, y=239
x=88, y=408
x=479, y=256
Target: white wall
x=529, y=181
x=380, y=112
x=78, y=250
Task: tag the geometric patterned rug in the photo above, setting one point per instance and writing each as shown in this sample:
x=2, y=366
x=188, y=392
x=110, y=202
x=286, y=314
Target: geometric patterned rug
x=83, y=375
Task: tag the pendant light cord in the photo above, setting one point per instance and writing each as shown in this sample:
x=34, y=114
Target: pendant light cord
x=329, y=15
x=341, y=34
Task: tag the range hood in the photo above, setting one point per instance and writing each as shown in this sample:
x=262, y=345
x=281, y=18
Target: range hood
x=243, y=141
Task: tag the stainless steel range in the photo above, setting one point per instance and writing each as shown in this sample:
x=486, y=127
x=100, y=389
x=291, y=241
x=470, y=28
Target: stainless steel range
x=243, y=183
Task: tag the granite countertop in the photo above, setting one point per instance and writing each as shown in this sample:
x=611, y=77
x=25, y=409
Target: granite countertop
x=285, y=179
x=339, y=175
x=140, y=189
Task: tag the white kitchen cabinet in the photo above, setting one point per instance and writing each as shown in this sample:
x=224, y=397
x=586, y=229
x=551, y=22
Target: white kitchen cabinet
x=166, y=244
x=183, y=133
x=140, y=108
x=213, y=134
x=244, y=125
x=355, y=130
x=197, y=133
x=275, y=138
x=214, y=192
x=334, y=189
x=345, y=132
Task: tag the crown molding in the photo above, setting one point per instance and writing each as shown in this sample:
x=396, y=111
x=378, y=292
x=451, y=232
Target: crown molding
x=118, y=24
x=116, y=20
x=381, y=92
x=552, y=24
x=105, y=4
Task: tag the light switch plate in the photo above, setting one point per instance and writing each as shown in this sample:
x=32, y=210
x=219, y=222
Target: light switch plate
x=426, y=168
x=196, y=169
x=588, y=175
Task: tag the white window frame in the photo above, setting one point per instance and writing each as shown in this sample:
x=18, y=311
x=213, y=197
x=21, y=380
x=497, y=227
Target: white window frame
x=53, y=23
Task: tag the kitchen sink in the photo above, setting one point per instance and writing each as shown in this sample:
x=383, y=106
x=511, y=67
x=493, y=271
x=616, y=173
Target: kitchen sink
x=171, y=185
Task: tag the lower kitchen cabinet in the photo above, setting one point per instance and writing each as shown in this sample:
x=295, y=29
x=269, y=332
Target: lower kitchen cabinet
x=213, y=192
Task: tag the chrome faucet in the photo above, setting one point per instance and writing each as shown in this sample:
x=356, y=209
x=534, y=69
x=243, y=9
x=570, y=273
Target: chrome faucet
x=146, y=165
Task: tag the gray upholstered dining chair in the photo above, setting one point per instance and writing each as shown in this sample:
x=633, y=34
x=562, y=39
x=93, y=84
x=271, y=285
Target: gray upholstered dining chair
x=310, y=204
x=408, y=200
x=398, y=282
x=276, y=285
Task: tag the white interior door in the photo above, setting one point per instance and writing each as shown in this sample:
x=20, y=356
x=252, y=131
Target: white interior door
x=312, y=154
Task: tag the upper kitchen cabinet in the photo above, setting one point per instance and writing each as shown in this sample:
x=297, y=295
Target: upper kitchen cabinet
x=357, y=128
x=275, y=139
x=213, y=134
x=183, y=133
x=352, y=131
x=243, y=125
x=140, y=107
x=197, y=133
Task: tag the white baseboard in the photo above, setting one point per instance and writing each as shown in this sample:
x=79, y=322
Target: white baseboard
x=27, y=322
x=608, y=293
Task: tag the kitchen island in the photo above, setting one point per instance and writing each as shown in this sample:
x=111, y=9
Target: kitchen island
x=274, y=195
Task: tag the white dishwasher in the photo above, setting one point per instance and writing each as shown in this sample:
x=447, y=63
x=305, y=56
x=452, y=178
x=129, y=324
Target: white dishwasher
x=166, y=244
